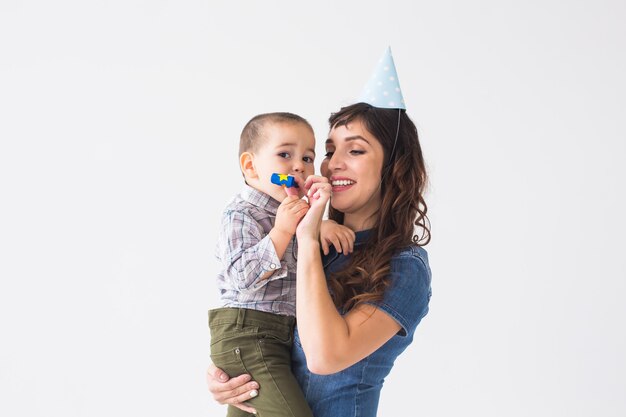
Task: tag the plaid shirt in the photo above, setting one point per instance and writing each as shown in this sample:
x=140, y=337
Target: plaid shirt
x=247, y=253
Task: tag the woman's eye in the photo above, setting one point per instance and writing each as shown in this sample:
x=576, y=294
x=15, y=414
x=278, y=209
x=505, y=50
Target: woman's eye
x=357, y=152
x=328, y=154
x=308, y=159
x=284, y=154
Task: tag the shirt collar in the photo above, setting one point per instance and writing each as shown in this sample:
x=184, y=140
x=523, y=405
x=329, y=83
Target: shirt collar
x=259, y=199
x=362, y=236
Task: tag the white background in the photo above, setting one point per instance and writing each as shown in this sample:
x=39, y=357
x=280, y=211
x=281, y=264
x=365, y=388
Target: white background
x=119, y=123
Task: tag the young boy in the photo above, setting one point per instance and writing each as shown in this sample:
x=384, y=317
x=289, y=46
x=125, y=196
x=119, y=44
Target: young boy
x=253, y=332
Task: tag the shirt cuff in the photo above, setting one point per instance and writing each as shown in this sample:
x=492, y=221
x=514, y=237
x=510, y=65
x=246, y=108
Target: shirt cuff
x=269, y=262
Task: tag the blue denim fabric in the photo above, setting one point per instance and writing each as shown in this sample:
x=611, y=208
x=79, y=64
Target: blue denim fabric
x=354, y=392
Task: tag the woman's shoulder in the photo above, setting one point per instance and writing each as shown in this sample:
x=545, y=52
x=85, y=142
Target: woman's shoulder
x=412, y=253
x=408, y=294
x=410, y=268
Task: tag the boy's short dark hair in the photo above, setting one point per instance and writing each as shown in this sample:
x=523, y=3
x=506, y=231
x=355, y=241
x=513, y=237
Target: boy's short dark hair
x=251, y=135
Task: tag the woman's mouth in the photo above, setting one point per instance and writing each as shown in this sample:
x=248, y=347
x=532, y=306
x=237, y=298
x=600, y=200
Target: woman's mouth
x=341, y=184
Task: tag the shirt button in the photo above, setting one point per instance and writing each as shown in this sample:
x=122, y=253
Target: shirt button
x=273, y=266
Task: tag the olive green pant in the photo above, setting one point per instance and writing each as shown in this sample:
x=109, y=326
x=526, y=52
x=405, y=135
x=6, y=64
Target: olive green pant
x=254, y=342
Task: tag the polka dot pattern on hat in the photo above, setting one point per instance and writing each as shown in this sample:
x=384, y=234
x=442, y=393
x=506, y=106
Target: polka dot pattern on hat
x=383, y=88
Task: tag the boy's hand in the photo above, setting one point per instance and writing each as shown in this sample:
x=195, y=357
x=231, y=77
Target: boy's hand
x=289, y=214
x=341, y=237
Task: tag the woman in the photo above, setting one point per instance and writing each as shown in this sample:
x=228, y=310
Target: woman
x=356, y=313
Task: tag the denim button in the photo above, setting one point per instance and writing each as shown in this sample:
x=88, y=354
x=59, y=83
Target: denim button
x=237, y=351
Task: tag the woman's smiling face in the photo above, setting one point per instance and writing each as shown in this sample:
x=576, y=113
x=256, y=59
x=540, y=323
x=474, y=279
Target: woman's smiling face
x=353, y=164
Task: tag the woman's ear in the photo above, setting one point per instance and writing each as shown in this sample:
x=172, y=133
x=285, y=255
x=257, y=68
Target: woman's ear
x=246, y=163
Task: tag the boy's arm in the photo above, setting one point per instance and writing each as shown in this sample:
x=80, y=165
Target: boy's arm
x=281, y=240
x=289, y=213
x=247, y=253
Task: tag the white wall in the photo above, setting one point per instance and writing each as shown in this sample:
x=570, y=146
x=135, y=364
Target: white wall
x=119, y=123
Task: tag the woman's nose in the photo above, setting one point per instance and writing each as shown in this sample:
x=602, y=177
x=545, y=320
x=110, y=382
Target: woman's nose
x=335, y=162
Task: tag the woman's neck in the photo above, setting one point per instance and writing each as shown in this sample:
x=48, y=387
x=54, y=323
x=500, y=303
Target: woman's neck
x=358, y=223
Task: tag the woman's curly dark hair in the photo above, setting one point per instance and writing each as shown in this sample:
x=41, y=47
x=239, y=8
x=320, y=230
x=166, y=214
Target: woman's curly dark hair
x=402, y=209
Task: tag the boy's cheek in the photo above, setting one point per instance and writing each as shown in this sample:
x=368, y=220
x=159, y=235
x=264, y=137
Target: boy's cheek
x=324, y=171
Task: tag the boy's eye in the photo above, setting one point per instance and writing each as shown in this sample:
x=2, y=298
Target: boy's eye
x=284, y=154
x=308, y=159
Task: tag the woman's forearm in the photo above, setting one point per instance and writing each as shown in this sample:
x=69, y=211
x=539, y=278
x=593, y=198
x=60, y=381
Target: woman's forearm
x=331, y=341
x=323, y=331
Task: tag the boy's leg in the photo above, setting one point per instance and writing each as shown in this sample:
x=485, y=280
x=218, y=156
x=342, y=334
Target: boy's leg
x=279, y=392
x=235, y=412
x=259, y=344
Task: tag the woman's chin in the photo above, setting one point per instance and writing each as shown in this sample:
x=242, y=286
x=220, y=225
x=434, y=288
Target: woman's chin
x=338, y=206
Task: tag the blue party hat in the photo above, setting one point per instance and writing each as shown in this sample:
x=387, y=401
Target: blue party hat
x=383, y=88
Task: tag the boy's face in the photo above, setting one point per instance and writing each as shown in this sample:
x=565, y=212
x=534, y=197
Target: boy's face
x=286, y=148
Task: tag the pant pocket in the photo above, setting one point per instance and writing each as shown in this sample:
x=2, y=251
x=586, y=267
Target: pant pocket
x=230, y=362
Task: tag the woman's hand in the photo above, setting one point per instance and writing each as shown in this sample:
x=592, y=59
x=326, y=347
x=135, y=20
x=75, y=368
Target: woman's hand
x=231, y=391
x=318, y=191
